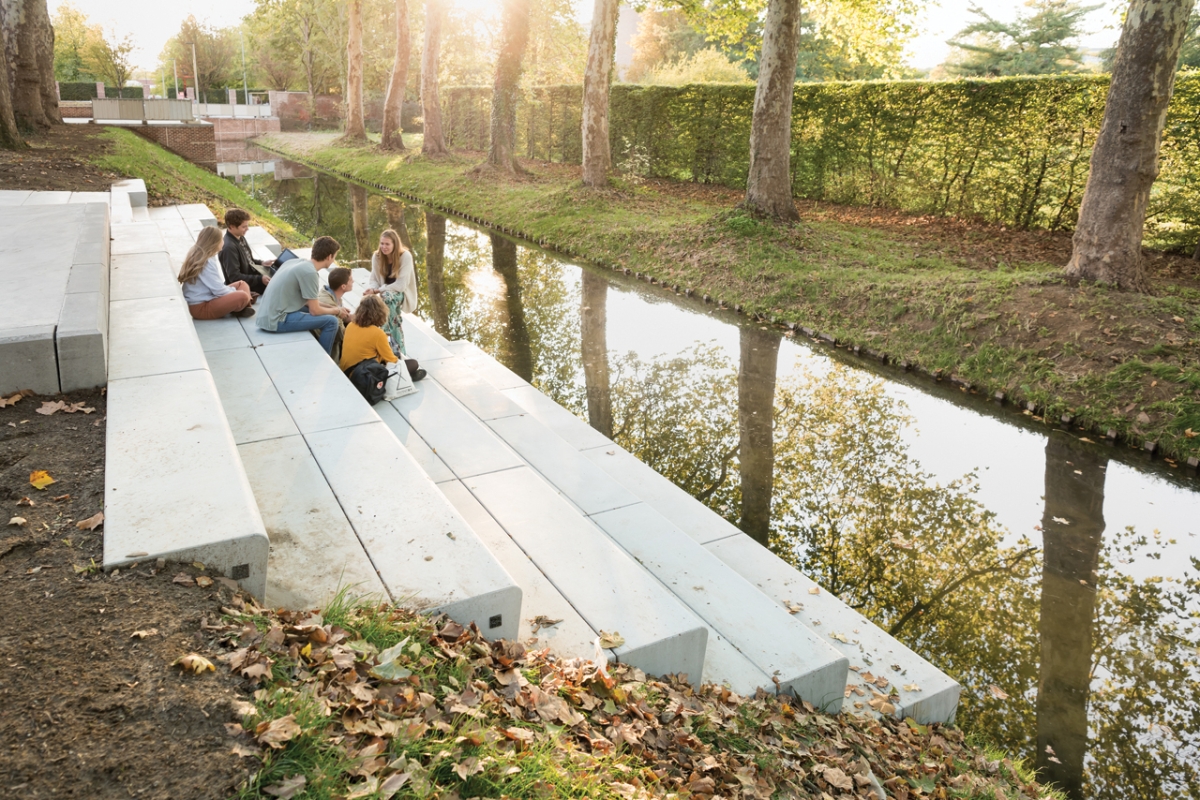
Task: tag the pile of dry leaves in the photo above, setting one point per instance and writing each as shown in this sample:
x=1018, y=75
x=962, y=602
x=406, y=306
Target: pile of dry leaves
x=380, y=702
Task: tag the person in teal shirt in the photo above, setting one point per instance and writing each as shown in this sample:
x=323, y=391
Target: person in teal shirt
x=291, y=301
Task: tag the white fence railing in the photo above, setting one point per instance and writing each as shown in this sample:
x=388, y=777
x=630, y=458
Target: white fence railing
x=179, y=110
x=124, y=109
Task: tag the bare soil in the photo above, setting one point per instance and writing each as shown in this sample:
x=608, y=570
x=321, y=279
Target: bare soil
x=58, y=161
x=89, y=710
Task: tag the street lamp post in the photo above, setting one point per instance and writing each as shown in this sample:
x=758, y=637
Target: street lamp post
x=195, y=72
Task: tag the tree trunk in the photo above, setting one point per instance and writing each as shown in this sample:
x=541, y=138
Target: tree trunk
x=393, y=105
x=756, y=429
x=45, y=59
x=597, y=153
x=1071, y=553
x=435, y=257
x=27, y=80
x=502, y=151
x=358, y=216
x=593, y=333
x=517, y=353
x=433, y=142
x=1107, y=245
x=10, y=137
x=397, y=221
x=355, y=128
x=769, y=187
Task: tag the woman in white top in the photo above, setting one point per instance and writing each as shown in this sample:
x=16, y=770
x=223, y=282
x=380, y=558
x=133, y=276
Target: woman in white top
x=395, y=281
x=204, y=288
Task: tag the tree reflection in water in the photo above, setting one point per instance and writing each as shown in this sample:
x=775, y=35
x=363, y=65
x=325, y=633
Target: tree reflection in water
x=593, y=337
x=435, y=278
x=756, y=428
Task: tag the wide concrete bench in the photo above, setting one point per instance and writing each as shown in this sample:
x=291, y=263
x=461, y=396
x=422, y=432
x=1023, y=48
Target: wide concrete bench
x=372, y=520
x=54, y=320
x=175, y=487
x=868, y=646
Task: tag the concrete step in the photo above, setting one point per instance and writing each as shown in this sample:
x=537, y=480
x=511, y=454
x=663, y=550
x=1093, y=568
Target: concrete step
x=600, y=581
x=134, y=189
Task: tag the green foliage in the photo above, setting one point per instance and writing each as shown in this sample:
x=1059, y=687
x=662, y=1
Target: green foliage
x=1037, y=43
x=709, y=65
x=86, y=90
x=1013, y=151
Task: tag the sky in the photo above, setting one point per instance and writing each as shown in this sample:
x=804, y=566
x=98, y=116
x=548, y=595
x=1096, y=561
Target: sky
x=152, y=22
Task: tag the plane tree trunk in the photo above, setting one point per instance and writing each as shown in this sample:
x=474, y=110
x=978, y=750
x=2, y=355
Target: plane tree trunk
x=597, y=77
x=434, y=141
x=393, y=105
x=769, y=186
x=502, y=152
x=1107, y=245
x=356, y=131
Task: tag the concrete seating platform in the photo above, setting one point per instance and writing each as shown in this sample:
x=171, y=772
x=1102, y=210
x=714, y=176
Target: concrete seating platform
x=54, y=321
x=175, y=486
x=719, y=573
x=352, y=508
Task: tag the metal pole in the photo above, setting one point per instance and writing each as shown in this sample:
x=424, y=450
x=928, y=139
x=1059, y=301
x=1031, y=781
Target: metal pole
x=175, y=70
x=162, y=82
x=195, y=71
x=245, y=82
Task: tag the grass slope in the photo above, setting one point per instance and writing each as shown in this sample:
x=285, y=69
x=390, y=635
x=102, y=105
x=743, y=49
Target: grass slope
x=981, y=304
x=171, y=179
x=372, y=701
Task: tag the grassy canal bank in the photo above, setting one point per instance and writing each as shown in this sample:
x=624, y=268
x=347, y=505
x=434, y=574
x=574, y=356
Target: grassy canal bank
x=977, y=304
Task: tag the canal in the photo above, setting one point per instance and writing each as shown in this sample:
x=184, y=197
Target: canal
x=1055, y=577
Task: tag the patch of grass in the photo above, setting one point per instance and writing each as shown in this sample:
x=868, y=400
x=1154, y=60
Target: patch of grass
x=172, y=180
x=458, y=719
x=933, y=297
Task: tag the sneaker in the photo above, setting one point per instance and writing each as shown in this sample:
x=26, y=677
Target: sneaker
x=418, y=375
x=245, y=312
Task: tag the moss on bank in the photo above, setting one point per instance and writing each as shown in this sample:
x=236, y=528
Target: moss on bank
x=976, y=304
x=171, y=179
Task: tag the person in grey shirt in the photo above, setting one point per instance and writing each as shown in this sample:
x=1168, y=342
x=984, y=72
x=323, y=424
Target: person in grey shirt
x=291, y=301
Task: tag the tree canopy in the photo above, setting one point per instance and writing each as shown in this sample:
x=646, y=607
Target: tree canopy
x=1037, y=42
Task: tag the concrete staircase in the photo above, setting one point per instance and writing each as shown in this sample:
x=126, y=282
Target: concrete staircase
x=477, y=495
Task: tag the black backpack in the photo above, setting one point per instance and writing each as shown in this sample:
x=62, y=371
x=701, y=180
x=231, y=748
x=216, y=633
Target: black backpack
x=370, y=378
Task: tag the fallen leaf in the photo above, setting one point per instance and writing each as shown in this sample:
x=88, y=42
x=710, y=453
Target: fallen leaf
x=25, y=501
x=48, y=407
x=245, y=751
x=881, y=704
x=838, y=779
x=815, y=590
x=542, y=621
x=183, y=579
x=61, y=498
x=393, y=784
x=997, y=692
x=143, y=634
x=1189, y=433
x=274, y=733
x=92, y=522
x=611, y=640
x=203, y=581
x=1061, y=521
x=287, y=788
x=793, y=608
x=11, y=400
x=19, y=521
x=841, y=638
x=912, y=687
x=193, y=662
x=40, y=479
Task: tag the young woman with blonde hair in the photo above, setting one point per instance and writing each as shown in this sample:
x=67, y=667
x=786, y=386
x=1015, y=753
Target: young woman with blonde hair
x=365, y=338
x=395, y=281
x=203, y=282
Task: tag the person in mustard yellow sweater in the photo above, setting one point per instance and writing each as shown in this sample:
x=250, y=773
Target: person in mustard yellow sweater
x=365, y=338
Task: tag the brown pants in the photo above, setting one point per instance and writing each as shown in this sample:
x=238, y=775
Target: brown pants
x=218, y=307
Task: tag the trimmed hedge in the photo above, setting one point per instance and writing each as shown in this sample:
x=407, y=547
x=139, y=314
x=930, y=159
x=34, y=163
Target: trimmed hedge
x=1012, y=151
x=86, y=90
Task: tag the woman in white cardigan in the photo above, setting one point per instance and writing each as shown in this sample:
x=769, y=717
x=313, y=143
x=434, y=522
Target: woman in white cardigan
x=395, y=281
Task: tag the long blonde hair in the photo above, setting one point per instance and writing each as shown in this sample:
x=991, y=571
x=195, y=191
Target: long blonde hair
x=208, y=244
x=390, y=265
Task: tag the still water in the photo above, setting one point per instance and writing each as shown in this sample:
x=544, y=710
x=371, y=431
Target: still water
x=1054, y=577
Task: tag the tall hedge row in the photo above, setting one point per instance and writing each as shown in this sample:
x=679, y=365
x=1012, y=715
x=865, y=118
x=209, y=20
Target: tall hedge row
x=1013, y=151
x=86, y=90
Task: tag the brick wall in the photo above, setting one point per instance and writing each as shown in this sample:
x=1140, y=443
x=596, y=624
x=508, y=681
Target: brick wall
x=196, y=143
x=78, y=109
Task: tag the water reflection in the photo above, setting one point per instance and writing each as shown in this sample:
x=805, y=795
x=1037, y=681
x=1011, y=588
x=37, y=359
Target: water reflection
x=1077, y=646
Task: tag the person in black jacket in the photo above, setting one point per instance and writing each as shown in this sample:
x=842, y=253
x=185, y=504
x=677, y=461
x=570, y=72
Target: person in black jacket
x=237, y=262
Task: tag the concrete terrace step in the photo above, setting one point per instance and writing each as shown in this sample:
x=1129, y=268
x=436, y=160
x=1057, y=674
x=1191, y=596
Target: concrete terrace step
x=755, y=641
x=175, y=486
x=719, y=554
x=337, y=515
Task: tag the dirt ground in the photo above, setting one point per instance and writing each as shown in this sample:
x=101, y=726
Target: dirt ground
x=89, y=709
x=56, y=161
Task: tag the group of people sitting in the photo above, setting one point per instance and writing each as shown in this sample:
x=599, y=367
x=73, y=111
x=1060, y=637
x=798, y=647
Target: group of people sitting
x=221, y=276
